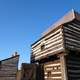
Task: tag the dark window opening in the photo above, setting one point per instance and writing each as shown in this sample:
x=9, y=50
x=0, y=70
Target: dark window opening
x=49, y=73
x=42, y=47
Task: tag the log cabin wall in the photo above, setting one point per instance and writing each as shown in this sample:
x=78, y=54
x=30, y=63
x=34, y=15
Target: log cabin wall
x=72, y=35
x=30, y=72
x=73, y=65
x=8, y=68
x=56, y=68
x=52, y=70
x=49, y=45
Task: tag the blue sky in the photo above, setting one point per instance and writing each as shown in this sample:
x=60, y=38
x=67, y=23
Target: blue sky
x=23, y=21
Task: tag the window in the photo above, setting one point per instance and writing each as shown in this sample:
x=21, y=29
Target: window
x=59, y=67
x=42, y=47
x=49, y=73
x=55, y=68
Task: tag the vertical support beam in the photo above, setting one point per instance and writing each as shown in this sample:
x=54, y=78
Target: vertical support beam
x=63, y=67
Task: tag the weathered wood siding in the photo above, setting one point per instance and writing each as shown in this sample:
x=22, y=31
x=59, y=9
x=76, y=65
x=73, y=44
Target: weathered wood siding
x=52, y=70
x=52, y=44
x=73, y=66
x=72, y=35
x=8, y=68
x=30, y=72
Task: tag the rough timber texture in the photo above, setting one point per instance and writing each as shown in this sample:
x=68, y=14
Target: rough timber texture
x=52, y=70
x=72, y=35
x=53, y=43
x=30, y=72
x=73, y=65
x=62, y=37
x=65, y=35
x=8, y=68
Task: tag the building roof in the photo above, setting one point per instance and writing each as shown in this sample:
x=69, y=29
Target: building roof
x=68, y=17
x=71, y=15
x=10, y=58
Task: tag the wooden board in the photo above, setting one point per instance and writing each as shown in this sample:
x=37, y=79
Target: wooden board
x=30, y=72
x=73, y=66
x=52, y=70
x=8, y=68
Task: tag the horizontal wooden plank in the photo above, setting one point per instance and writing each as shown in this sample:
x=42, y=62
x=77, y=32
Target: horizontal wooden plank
x=71, y=36
x=71, y=30
x=55, y=39
x=53, y=77
x=52, y=52
x=47, y=37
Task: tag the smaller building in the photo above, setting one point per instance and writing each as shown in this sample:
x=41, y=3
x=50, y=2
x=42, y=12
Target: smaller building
x=9, y=68
x=30, y=72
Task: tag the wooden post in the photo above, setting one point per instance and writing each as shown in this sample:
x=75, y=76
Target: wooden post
x=63, y=67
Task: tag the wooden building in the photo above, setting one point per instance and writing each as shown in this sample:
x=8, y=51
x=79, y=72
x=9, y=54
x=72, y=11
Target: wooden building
x=29, y=72
x=58, y=49
x=8, y=68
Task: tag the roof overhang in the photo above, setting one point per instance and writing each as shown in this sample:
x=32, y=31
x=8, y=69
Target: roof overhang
x=70, y=16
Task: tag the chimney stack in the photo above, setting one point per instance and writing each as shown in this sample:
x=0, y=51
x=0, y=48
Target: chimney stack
x=14, y=54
